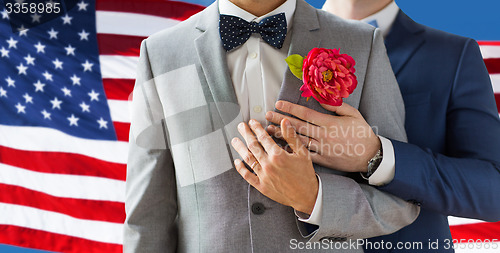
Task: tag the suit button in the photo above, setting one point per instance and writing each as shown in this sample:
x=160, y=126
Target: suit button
x=258, y=208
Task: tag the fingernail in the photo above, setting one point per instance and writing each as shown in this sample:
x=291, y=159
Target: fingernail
x=234, y=140
x=252, y=122
x=241, y=125
x=279, y=105
x=287, y=123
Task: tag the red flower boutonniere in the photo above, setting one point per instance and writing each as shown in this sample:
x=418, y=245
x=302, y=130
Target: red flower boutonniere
x=328, y=76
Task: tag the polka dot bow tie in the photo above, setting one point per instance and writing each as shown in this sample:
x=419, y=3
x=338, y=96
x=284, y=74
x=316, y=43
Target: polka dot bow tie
x=235, y=31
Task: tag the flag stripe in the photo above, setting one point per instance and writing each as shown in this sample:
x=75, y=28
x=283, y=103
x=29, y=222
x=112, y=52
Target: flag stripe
x=65, y=186
x=490, y=51
x=46, y=139
x=34, y=218
x=453, y=221
x=483, y=230
x=114, y=23
x=119, y=110
x=495, y=81
x=32, y=238
x=117, y=66
x=78, y=208
x=118, y=89
x=493, y=65
x=122, y=130
x=489, y=43
x=61, y=163
x=171, y=9
x=112, y=44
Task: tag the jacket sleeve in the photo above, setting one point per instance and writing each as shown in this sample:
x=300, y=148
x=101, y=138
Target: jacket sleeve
x=463, y=181
x=352, y=210
x=151, y=202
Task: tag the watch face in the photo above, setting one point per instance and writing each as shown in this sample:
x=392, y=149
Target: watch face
x=374, y=163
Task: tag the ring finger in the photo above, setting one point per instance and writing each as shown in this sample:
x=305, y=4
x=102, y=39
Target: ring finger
x=245, y=154
x=310, y=143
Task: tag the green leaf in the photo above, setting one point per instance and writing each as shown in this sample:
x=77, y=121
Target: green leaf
x=295, y=63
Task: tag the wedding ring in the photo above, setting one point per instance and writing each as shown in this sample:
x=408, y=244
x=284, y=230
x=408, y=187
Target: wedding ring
x=309, y=144
x=253, y=164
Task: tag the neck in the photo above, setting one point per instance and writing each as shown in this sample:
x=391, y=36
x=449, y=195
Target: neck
x=355, y=9
x=258, y=7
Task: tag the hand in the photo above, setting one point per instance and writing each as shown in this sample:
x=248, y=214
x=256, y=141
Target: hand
x=287, y=178
x=344, y=142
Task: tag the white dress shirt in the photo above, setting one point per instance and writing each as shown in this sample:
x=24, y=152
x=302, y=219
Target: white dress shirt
x=256, y=68
x=257, y=71
x=385, y=18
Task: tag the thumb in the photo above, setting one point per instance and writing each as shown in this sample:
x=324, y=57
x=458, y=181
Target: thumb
x=342, y=110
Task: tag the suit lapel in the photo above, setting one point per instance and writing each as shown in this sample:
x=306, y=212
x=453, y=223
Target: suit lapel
x=403, y=41
x=213, y=62
x=305, y=26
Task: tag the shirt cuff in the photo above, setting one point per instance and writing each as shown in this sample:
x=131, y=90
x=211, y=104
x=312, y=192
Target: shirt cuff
x=385, y=171
x=315, y=217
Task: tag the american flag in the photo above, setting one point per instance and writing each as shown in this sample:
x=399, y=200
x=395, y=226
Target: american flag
x=64, y=89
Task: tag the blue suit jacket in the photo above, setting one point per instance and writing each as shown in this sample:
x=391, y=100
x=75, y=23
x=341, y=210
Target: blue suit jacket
x=451, y=165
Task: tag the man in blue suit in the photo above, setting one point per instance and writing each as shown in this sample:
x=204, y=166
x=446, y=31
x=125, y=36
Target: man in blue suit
x=451, y=165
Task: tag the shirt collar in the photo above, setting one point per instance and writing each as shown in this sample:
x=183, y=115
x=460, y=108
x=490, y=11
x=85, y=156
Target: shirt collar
x=228, y=8
x=384, y=17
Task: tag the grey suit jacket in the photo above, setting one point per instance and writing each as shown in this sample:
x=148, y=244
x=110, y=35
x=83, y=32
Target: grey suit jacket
x=183, y=193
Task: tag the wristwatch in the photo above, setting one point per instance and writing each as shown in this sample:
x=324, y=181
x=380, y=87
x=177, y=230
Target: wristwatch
x=373, y=164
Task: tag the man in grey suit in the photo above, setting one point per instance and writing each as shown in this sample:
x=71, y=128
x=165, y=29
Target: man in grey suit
x=192, y=91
